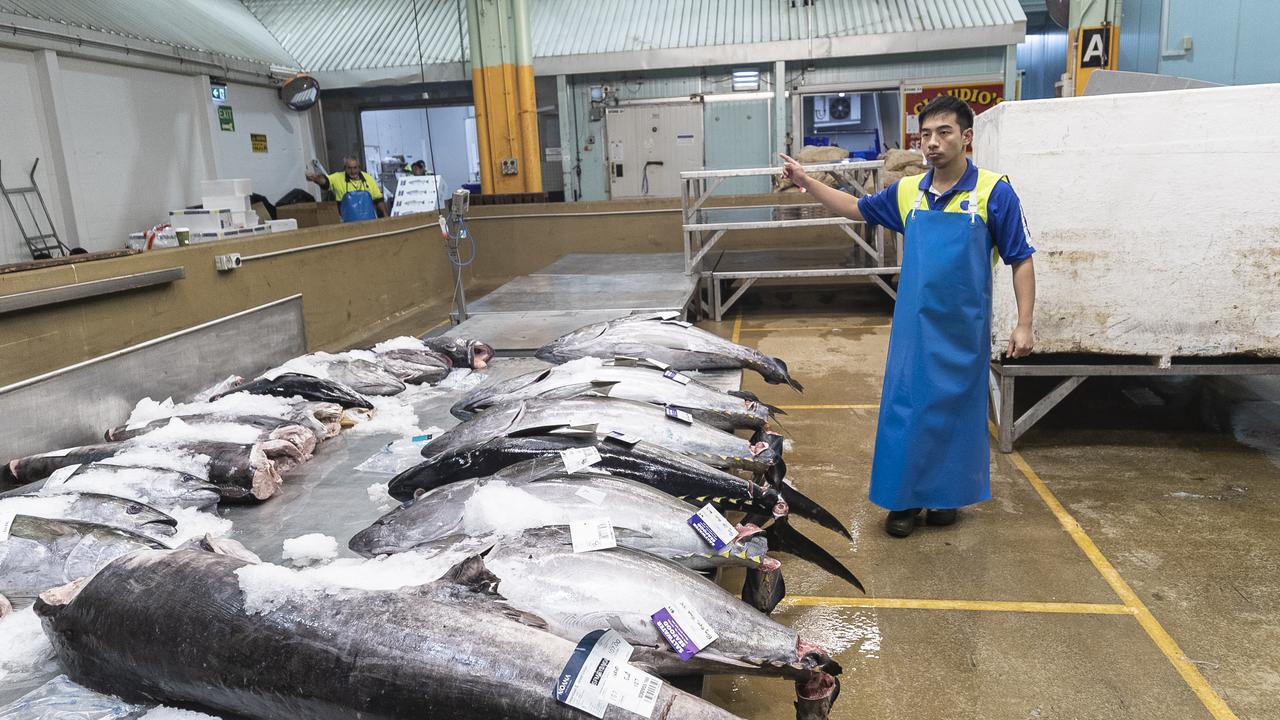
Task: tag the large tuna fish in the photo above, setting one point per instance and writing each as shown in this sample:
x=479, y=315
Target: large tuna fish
x=601, y=416
x=161, y=487
x=178, y=628
x=241, y=471
x=38, y=553
x=653, y=465
x=463, y=352
x=627, y=381
x=416, y=367
x=357, y=369
x=109, y=510
x=306, y=387
x=522, y=497
x=664, y=338
x=620, y=588
x=268, y=428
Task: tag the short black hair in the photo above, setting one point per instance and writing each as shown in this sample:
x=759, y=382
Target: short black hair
x=949, y=104
x=422, y=163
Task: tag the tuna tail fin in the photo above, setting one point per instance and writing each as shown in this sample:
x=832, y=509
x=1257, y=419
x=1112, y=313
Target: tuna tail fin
x=786, y=374
x=8, y=476
x=784, y=538
x=809, y=509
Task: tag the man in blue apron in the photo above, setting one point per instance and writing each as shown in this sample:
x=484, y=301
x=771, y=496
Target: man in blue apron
x=357, y=193
x=932, y=449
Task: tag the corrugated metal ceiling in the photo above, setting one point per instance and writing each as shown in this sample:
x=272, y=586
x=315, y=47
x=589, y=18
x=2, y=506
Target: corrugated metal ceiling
x=220, y=27
x=341, y=35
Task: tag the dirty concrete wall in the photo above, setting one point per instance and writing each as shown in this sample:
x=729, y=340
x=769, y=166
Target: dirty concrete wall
x=351, y=292
x=520, y=239
x=1152, y=238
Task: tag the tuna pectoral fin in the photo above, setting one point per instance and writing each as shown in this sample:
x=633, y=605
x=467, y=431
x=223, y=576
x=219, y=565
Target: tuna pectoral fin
x=809, y=509
x=472, y=575
x=226, y=546
x=568, y=392
x=784, y=538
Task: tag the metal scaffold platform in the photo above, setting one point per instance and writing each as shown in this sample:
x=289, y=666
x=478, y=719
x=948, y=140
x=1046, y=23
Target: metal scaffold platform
x=726, y=276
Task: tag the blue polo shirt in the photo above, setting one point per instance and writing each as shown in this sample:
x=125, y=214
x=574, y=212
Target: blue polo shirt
x=1004, y=212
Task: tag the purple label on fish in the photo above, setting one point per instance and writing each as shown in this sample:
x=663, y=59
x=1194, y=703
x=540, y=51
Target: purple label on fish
x=675, y=635
x=703, y=528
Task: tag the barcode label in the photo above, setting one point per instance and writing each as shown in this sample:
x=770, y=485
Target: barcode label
x=684, y=629
x=678, y=414
x=678, y=377
x=634, y=690
x=575, y=459
x=624, y=438
x=591, y=535
x=589, y=679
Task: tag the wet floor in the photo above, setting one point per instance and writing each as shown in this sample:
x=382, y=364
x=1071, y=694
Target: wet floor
x=1162, y=604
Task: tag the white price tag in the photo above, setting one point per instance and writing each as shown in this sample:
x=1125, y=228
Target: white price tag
x=713, y=527
x=598, y=675
x=678, y=414
x=61, y=475
x=591, y=535
x=657, y=363
x=56, y=453
x=677, y=376
x=668, y=314
x=575, y=459
x=633, y=690
x=624, y=438
x=591, y=495
x=684, y=629
x=6, y=522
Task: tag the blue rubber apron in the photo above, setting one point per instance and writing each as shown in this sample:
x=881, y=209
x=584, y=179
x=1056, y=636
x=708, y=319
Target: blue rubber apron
x=931, y=442
x=356, y=205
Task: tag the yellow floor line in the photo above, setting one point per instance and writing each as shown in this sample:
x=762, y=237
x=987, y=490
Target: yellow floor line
x=818, y=328
x=737, y=328
x=865, y=406
x=983, y=605
x=1212, y=701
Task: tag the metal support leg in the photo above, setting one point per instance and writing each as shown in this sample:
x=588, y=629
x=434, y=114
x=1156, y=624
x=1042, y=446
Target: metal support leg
x=1042, y=407
x=1002, y=400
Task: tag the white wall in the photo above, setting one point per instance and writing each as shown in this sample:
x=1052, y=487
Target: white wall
x=136, y=147
x=290, y=144
x=22, y=140
x=394, y=132
x=452, y=146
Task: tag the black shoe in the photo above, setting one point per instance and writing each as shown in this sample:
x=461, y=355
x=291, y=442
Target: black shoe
x=941, y=517
x=900, y=523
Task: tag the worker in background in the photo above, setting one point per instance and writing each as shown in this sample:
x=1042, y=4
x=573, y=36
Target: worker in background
x=932, y=450
x=357, y=193
x=419, y=167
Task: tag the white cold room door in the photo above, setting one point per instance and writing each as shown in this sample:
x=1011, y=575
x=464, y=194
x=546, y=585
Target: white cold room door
x=649, y=146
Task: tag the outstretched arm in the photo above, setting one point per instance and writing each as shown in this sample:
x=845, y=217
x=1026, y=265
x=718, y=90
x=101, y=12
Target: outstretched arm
x=837, y=202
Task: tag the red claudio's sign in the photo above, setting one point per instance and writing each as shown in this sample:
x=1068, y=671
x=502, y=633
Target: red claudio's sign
x=980, y=96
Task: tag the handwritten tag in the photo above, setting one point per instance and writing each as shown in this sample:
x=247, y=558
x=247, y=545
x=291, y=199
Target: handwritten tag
x=589, y=535
x=598, y=675
x=684, y=629
x=713, y=527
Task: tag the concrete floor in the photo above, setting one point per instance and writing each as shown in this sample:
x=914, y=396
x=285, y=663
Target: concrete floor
x=1174, y=484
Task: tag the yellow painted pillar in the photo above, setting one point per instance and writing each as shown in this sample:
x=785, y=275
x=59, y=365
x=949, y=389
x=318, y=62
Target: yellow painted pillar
x=502, y=86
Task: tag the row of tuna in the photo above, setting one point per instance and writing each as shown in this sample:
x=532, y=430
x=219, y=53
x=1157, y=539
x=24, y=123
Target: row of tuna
x=474, y=603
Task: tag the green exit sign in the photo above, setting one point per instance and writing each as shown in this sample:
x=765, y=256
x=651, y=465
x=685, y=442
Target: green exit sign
x=226, y=120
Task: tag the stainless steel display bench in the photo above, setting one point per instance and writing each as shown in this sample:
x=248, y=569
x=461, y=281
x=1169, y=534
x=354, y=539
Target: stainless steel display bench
x=703, y=227
x=578, y=289
x=1004, y=374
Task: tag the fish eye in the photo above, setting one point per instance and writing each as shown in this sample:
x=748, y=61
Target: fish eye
x=132, y=509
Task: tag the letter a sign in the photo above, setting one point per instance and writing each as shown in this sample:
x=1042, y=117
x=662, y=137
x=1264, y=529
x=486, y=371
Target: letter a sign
x=1095, y=50
x=1095, y=47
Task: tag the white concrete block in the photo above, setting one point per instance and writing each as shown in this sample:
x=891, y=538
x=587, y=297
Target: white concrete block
x=1150, y=217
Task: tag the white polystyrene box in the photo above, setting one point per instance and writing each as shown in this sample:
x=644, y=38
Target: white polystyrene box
x=200, y=220
x=1149, y=217
x=234, y=203
x=283, y=225
x=223, y=188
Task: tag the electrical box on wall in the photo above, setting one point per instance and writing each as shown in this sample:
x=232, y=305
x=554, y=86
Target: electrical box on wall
x=510, y=166
x=649, y=146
